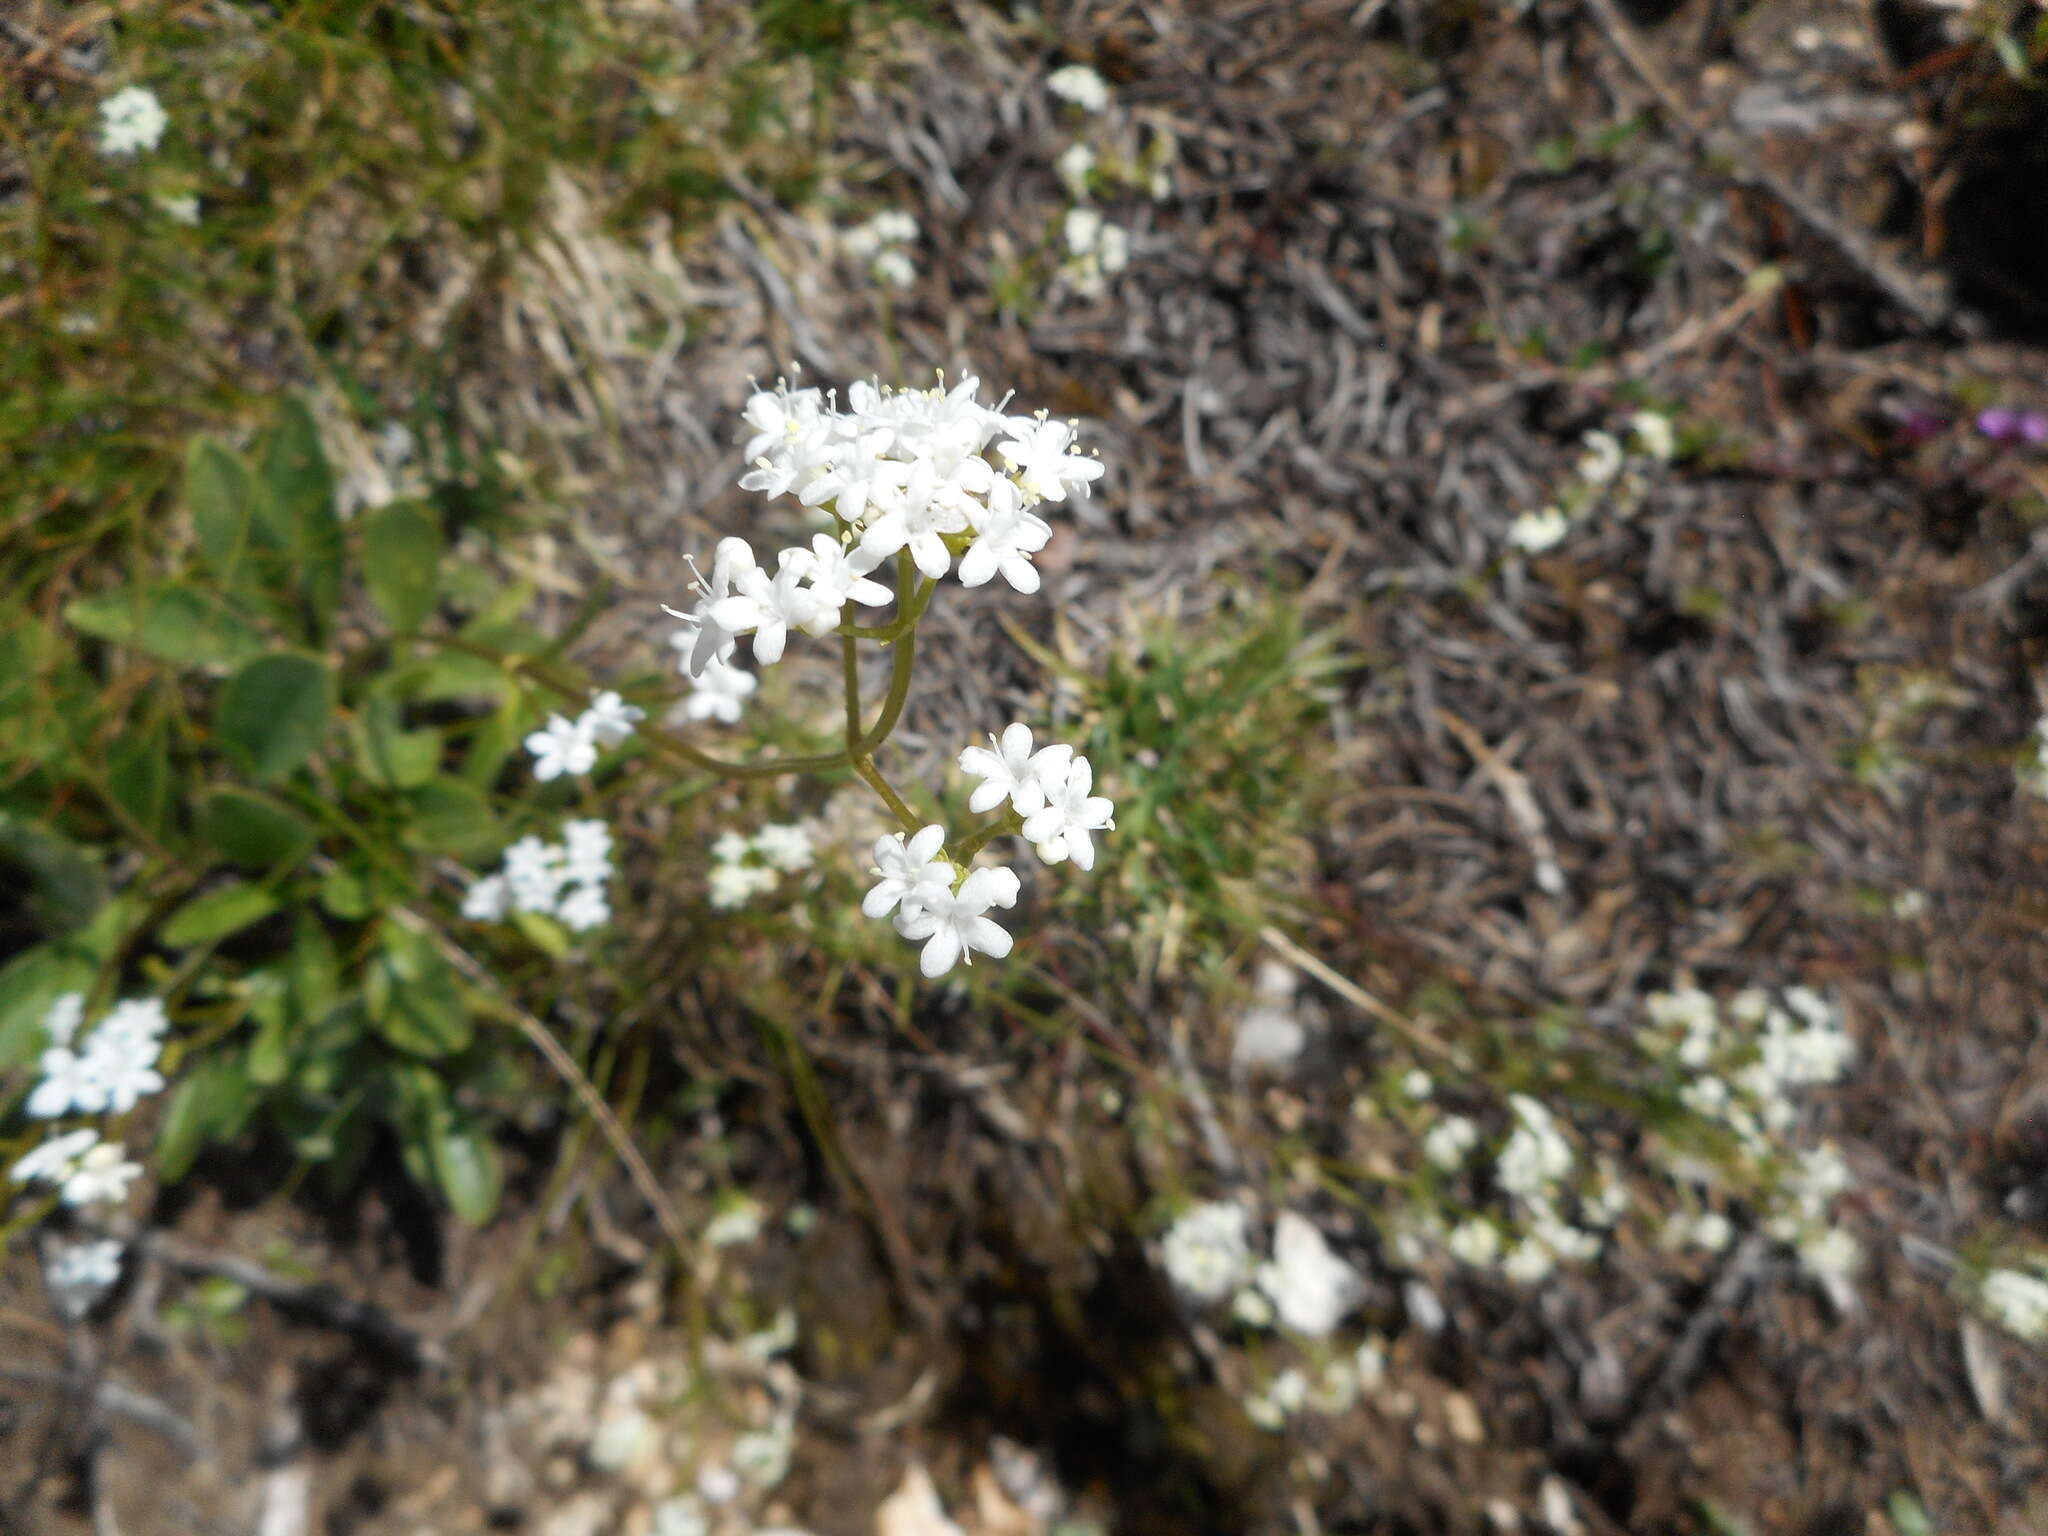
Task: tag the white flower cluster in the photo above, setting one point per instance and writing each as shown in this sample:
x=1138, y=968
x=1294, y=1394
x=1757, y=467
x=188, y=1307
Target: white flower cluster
x=1534, y=1169
x=884, y=242
x=1608, y=471
x=111, y=1070
x=780, y=850
x=1096, y=251
x=2016, y=1301
x=571, y=746
x=1207, y=1255
x=565, y=880
x=932, y=476
x=1081, y=85
x=132, y=121
x=1741, y=1066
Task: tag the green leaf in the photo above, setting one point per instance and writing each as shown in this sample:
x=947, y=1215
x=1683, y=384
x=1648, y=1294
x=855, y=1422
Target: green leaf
x=466, y=1168
x=346, y=893
x=217, y=914
x=273, y=712
x=220, y=493
x=1908, y=1514
x=67, y=882
x=211, y=1102
x=495, y=739
x=139, y=775
x=172, y=622
x=315, y=972
x=401, y=562
x=389, y=753
x=414, y=998
x=300, y=501
x=450, y=816
x=253, y=830
x=544, y=933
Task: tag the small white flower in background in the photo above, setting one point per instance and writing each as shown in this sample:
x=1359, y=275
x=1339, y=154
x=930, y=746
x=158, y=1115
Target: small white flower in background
x=533, y=871
x=1010, y=770
x=583, y=909
x=79, y=1274
x=182, y=208
x=1061, y=830
x=952, y=925
x=1286, y=1394
x=56, y=1159
x=1528, y=1263
x=1474, y=1242
x=1310, y=1287
x=1831, y=1255
x=2017, y=1301
x=1073, y=166
x=895, y=268
x=762, y=1458
x=586, y=851
x=102, y=1177
x=1449, y=1142
x=488, y=898
x=1080, y=85
x=1417, y=1084
x=738, y=1221
x=882, y=242
x=787, y=848
x=1536, y=1154
x=1602, y=460
x=734, y=885
x=561, y=746
x=1096, y=250
x=61, y=1020
x=910, y=872
x=610, y=719
x=718, y=1484
x=1269, y=1033
x=720, y=693
x=71, y=1083
x=731, y=847
x=132, y=121
x=680, y=1516
x=1250, y=1307
x=1653, y=434
x=1206, y=1252
x=1534, y=532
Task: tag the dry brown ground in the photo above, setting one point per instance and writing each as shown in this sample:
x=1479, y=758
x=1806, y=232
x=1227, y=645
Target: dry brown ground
x=1301, y=368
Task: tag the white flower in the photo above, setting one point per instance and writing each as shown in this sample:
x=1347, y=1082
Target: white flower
x=1073, y=166
x=56, y=1159
x=1080, y=85
x=953, y=924
x=680, y=1517
x=836, y=577
x=702, y=640
x=1447, y=1143
x=1653, y=434
x=1061, y=830
x=1712, y=1231
x=1112, y=249
x=125, y=1066
x=586, y=851
x=486, y=899
x=1310, y=1287
x=732, y=885
x=1417, y=1084
x=731, y=847
x=1529, y=1262
x=1534, y=532
x=1250, y=1307
x=787, y=848
x=179, y=208
x=610, y=719
x=895, y=268
x=131, y=121
x=1082, y=227
x=1206, y=1252
x=533, y=870
x=910, y=872
x=720, y=693
x=857, y=477
x=1006, y=537
x=71, y=1083
x=584, y=908
x=762, y=1458
x=1046, y=462
x=1474, y=1242
x=1602, y=460
x=921, y=515
x=1536, y=1155
x=101, y=1177
x=1831, y=1255
x=2017, y=1300
x=133, y=1020
x=562, y=746
x=78, y=1274
x=62, y=1018
x=1013, y=772
x=769, y=607
x=738, y=1221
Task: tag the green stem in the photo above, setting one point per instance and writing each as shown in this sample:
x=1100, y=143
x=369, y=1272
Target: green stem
x=864, y=765
x=979, y=839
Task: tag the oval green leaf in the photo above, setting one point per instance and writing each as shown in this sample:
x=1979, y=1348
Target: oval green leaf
x=216, y=915
x=273, y=712
x=253, y=830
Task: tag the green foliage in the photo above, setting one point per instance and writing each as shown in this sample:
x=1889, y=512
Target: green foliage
x=276, y=791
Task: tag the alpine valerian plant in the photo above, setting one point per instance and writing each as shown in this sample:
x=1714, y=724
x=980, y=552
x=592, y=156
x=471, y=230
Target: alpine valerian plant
x=936, y=484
